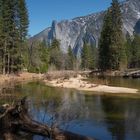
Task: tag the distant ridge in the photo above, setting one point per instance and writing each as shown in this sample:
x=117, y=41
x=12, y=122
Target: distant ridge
x=71, y=32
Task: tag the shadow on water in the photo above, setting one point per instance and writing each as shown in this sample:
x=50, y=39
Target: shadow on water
x=102, y=117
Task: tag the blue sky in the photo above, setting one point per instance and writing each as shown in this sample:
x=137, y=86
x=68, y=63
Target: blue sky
x=43, y=12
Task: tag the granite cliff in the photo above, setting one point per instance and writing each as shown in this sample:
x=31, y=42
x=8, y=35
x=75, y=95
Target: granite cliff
x=71, y=32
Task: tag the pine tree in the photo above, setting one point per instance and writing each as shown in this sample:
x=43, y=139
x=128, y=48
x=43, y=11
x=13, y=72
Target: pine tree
x=117, y=38
x=85, y=56
x=92, y=57
x=135, y=60
x=112, y=53
x=23, y=19
x=1, y=44
x=55, y=44
x=55, y=54
x=104, y=43
x=23, y=23
x=15, y=57
x=71, y=59
x=44, y=57
x=11, y=20
x=8, y=27
x=38, y=57
x=128, y=46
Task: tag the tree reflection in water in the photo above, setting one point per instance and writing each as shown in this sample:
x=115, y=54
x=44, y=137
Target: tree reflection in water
x=102, y=117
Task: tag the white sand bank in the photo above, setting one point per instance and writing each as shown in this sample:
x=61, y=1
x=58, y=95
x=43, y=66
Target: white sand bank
x=79, y=84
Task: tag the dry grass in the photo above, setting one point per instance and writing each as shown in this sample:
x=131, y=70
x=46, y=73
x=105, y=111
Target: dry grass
x=60, y=75
x=4, y=79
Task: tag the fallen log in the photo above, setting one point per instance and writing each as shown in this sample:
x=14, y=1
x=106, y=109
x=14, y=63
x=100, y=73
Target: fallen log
x=16, y=118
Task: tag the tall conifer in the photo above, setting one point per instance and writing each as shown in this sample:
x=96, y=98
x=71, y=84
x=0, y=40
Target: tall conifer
x=104, y=43
x=11, y=21
x=112, y=53
x=23, y=19
x=71, y=59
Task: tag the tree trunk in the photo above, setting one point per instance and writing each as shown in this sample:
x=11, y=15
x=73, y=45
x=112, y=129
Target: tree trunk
x=8, y=64
x=4, y=59
x=15, y=119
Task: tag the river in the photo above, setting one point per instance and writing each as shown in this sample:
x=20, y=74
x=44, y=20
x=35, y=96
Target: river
x=103, y=117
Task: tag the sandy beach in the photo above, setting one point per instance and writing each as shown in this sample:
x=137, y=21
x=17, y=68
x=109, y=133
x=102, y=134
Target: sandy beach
x=79, y=83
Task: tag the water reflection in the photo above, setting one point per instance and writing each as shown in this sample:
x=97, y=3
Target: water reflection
x=101, y=117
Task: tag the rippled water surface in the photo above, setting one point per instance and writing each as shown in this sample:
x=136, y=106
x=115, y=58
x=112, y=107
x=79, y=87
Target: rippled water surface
x=102, y=117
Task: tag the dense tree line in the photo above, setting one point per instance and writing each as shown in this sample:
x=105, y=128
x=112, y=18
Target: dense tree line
x=117, y=52
x=36, y=57
x=60, y=60
x=41, y=57
x=13, y=32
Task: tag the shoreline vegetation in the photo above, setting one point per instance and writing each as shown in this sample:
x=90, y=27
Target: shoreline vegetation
x=66, y=79
x=6, y=80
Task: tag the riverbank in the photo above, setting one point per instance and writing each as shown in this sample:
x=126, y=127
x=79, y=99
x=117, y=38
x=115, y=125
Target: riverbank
x=80, y=83
x=22, y=77
x=71, y=80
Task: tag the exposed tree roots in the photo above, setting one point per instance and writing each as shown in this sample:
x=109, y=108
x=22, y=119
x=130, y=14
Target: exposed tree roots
x=15, y=118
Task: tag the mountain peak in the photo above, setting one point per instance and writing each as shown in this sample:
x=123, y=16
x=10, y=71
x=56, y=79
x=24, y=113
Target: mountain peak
x=72, y=32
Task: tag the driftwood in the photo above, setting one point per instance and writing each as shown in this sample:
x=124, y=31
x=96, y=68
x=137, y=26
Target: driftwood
x=15, y=118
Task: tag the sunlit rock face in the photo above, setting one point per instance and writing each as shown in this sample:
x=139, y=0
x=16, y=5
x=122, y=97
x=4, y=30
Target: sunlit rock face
x=131, y=15
x=73, y=32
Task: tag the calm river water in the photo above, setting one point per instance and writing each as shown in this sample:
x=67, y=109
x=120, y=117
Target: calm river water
x=102, y=117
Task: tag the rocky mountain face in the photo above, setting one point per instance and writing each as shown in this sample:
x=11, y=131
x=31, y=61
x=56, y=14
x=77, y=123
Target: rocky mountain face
x=72, y=32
